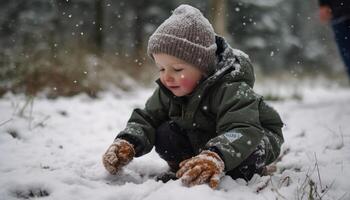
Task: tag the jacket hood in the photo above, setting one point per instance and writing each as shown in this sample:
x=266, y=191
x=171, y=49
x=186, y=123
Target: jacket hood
x=234, y=61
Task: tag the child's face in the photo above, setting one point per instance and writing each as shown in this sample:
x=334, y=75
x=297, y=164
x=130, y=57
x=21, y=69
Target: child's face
x=180, y=77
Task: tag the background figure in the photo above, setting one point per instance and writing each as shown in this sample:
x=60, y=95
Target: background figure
x=338, y=13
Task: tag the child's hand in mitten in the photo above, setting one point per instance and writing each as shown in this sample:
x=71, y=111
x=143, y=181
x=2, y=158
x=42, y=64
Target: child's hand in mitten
x=120, y=153
x=207, y=167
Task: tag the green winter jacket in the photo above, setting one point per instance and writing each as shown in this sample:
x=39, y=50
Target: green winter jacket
x=223, y=112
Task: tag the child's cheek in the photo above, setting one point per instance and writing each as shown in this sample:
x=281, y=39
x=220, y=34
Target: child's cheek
x=187, y=83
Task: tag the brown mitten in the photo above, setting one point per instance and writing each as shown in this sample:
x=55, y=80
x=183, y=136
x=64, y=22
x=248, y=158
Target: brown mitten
x=203, y=168
x=120, y=153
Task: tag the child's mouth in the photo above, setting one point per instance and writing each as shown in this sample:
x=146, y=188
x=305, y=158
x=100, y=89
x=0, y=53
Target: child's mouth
x=173, y=87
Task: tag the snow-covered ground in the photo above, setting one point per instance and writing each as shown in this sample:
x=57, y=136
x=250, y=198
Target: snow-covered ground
x=51, y=149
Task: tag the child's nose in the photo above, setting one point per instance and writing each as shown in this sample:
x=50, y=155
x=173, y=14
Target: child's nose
x=168, y=77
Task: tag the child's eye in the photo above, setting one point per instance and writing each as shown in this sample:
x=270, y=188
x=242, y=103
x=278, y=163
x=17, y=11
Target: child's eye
x=179, y=70
x=161, y=69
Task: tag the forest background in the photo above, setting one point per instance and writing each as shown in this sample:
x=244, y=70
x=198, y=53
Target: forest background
x=65, y=47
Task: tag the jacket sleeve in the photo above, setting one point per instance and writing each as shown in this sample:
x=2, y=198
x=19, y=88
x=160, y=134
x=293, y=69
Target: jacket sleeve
x=141, y=127
x=272, y=125
x=238, y=125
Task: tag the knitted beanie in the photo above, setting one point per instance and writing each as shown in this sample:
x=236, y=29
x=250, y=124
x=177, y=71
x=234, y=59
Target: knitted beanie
x=187, y=35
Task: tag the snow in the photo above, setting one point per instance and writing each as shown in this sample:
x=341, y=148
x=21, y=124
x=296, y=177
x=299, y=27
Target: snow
x=54, y=151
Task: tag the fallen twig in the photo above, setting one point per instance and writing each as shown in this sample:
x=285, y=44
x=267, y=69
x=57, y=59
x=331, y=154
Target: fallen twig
x=5, y=122
x=284, y=180
x=318, y=172
x=41, y=123
x=263, y=186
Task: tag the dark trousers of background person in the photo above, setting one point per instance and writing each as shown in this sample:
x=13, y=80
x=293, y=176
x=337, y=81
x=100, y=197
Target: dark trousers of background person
x=172, y=145
x=341, y=28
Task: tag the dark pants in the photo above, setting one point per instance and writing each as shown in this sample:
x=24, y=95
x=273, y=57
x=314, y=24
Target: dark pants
x=173, y=146
x=341, y=28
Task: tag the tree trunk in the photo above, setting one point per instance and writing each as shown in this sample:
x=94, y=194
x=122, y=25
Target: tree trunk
x=217, y=16
x=139, y=52
x=99, y=26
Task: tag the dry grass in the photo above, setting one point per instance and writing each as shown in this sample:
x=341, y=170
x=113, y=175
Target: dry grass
x=69, y=71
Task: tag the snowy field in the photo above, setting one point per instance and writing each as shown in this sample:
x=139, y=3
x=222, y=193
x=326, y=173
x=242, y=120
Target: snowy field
x=52, y=149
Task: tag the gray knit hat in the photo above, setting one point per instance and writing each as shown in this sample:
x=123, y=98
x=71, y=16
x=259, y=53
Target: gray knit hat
x=187, y=35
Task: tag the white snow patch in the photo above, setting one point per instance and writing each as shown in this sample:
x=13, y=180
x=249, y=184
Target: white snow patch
x=55, y=149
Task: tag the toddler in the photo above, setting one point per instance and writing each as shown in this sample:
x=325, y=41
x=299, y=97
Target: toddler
x=204, y=119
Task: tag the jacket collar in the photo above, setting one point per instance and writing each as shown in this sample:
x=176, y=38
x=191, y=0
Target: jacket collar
x=168, y=93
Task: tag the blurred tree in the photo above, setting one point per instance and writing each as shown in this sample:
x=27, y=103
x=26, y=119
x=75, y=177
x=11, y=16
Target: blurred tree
x=139, y=7
x=218, y=16
x=99, y=28
x=279, y=35
x=43, y=39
